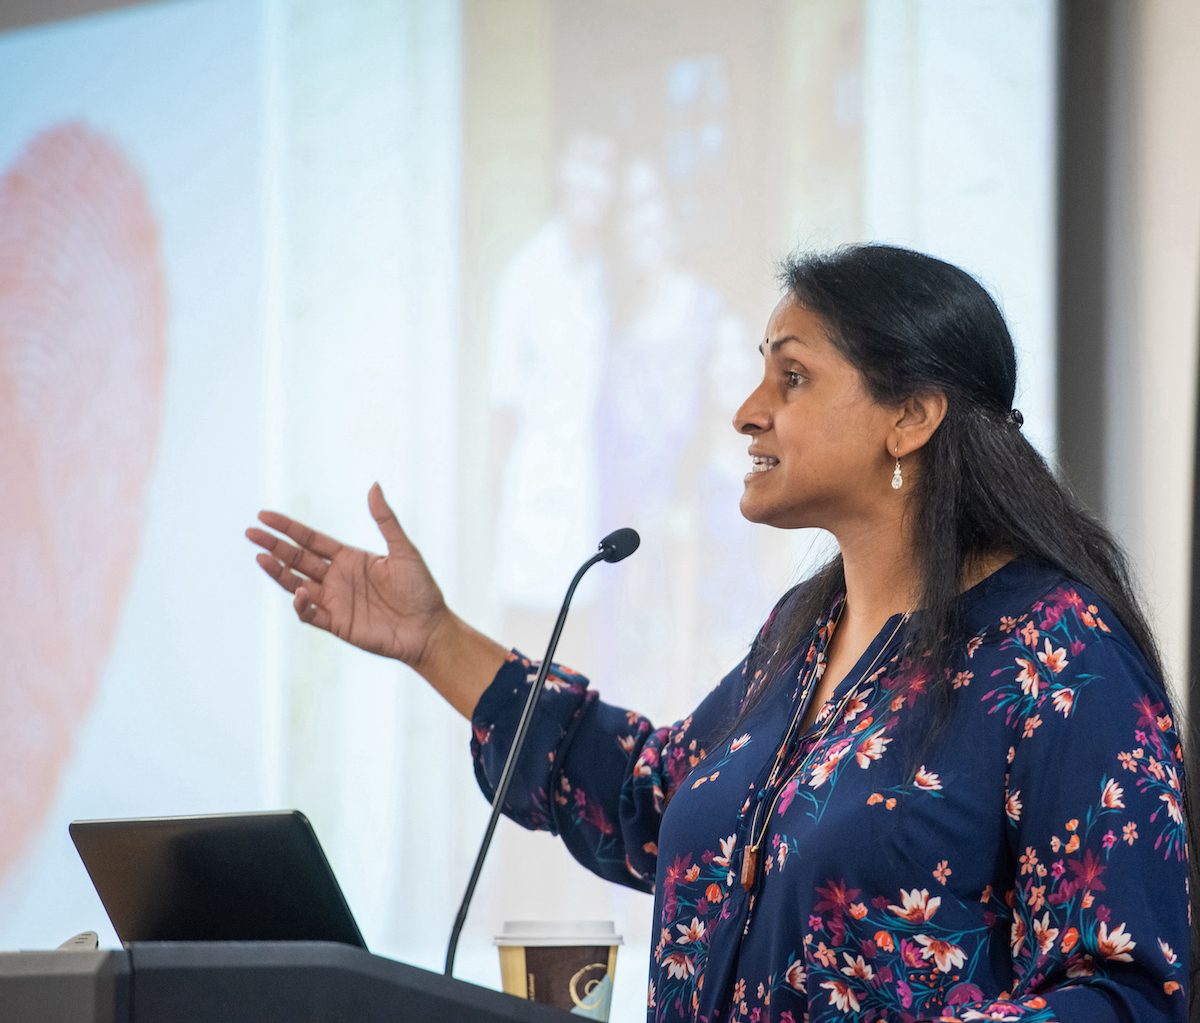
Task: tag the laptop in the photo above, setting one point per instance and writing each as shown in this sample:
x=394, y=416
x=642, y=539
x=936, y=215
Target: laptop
x=215, y=877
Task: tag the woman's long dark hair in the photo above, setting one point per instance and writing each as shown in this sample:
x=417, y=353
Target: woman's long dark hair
x=912, y=324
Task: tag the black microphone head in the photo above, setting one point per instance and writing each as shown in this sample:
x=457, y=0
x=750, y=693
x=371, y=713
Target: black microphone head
x=617, y=546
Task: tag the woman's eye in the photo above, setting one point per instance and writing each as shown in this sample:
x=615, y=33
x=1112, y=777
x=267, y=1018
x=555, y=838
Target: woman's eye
x=793, y=379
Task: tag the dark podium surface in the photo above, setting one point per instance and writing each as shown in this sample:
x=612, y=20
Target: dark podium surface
x=244, y=982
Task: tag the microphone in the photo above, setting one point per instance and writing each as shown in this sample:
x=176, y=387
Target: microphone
x=615, y=547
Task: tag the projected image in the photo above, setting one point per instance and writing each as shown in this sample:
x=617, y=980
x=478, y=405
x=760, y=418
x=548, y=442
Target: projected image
x=82, y=352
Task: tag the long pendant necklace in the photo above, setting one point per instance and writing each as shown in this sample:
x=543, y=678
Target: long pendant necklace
x=758, y=832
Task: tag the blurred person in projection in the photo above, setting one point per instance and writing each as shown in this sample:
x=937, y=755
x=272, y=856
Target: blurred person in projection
x=945, y=783
x=653, y=449
x=549, y=329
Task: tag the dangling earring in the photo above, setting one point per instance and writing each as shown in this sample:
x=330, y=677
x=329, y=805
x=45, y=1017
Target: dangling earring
x=897, y=479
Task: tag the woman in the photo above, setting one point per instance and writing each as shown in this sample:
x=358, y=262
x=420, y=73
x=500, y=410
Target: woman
x=945, y=782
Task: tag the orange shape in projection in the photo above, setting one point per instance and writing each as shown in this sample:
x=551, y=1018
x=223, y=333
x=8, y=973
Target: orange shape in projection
x=82, y=343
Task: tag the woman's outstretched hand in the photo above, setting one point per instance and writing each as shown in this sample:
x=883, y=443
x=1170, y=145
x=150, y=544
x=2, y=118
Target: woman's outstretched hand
x=386, y=604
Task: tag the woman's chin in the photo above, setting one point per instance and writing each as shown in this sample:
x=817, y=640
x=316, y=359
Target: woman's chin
x=755, y=510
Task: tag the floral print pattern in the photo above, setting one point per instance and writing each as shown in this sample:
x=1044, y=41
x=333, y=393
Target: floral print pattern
x=1015, y=850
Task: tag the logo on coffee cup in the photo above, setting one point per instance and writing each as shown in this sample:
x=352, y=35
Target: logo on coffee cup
x=591, y=991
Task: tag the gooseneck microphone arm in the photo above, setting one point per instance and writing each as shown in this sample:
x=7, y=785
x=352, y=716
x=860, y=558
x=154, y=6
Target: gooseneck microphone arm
x=614, y=547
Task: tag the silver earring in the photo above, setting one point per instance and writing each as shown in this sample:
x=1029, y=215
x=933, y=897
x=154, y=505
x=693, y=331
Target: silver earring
x=897, y=479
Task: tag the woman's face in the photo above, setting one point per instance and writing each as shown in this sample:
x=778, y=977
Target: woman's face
x=819, y=442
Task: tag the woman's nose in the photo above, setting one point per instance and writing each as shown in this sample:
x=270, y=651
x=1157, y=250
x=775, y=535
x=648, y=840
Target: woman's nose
x=753, y=416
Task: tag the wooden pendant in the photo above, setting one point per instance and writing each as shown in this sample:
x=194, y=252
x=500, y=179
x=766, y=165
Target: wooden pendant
x=749, y=867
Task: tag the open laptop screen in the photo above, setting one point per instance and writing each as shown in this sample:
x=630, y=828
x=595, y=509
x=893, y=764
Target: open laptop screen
x=216, y=877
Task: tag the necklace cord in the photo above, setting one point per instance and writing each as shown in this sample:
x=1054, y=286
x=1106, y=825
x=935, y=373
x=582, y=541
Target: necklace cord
x=751, y=848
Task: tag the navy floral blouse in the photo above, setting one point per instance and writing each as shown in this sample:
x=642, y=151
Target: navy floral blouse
x=1024, y=860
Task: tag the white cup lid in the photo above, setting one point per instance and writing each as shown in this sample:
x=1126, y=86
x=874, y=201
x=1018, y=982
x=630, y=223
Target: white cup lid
x=558, y=932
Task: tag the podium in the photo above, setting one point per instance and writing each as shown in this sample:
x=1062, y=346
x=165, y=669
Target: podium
x=244, y=982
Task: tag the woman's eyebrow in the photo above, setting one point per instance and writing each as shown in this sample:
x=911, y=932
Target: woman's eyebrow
x=778, y=343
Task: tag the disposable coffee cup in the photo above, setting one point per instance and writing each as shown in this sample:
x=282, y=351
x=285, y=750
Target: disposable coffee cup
x=569, y=964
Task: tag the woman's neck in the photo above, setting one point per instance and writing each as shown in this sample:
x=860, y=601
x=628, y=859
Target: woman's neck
x=885, y=578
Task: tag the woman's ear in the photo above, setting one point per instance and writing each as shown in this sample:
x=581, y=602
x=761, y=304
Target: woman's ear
x=917, y=418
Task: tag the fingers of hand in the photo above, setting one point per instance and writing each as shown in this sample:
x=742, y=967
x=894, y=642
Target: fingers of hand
x=386, y=519
x=302, y=561
x=320, y=544
x=286, y=578
x=309, y=612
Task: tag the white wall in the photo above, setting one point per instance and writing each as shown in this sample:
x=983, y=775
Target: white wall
x=959, y=159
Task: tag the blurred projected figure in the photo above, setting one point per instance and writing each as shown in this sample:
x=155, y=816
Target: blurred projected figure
x=547, y=349
x=82, y=344
x=653, y=451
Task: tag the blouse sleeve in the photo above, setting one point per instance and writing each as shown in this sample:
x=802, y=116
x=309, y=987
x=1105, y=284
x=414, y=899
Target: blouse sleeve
x=595, y=774
x=1099, y=902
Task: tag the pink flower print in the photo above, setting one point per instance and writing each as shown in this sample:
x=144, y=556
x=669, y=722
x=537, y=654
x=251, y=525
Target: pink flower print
x=1111, y=796
x=726, y=851
x=1129, y=832
x=1044, y=934
x=857, y=967
x=1028, y=677
x=1053, y=659
x=1087, y=873
x=1037, y=896
x=927, y=780
x=872, y=748
x=1115, y=944
x=963, y=679
x=963, y=994
x=855, y=707
x=1007, y=624
x=1084, y=966
x=917, y=906
x=841, y=995
x=1110, y=839
x=1029, y=860
x=1029, y=634
x=679, y=966
x=1016, y=936
x=942, y=871
x=905, y=992
x=1063, y=699
x=945, y=955
x=1032, y=724
x=821, y=773
x=825, y=956
x=787, y=795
